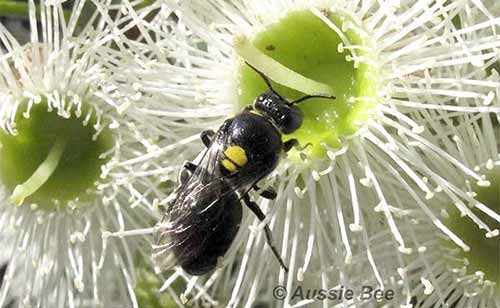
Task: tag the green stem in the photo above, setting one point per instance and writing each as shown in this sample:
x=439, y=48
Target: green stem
x=277, y=71
x=41, y=175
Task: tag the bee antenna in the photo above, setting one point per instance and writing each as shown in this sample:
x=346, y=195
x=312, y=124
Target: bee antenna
x=266, y=79
x=268, y=83
x=312, y=96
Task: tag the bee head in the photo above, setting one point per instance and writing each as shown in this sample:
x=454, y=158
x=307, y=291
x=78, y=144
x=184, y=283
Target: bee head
x=287, y=116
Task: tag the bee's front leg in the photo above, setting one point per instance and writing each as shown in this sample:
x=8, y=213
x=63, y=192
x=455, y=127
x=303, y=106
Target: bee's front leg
x=289, y=144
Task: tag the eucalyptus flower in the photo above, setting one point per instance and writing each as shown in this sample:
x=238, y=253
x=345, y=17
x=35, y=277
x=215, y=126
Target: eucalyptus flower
x=438, y=273
x=468, y=275
x=61, y=143
x=398, y=68
x=4, y=265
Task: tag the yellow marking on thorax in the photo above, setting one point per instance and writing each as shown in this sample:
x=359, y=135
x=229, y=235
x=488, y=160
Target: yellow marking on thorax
x=236, y=155
x=226, y=163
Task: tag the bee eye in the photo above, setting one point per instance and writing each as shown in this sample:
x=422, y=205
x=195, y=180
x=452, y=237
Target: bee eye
x=291, y=121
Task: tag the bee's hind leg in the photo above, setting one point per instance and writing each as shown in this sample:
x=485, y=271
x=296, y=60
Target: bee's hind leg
x=269, y=238
x=268, y=193
x=206, y=137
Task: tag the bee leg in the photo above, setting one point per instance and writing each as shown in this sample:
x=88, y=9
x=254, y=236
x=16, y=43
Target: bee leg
x=268, y=193
x=269, y=237
x=289, y=144
x=190, y=166
x=186, y=171
x=303, y=98
x=206, y=137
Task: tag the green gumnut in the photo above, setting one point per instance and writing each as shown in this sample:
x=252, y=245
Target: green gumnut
x=40, y=138
x=304, y=43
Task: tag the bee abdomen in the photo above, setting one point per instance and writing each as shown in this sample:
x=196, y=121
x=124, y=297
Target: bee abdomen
x=211, y=235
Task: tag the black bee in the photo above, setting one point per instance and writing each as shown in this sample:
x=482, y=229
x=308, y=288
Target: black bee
x=204, y=216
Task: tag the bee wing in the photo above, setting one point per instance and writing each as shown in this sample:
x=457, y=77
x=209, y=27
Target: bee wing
x=183, y=231
x=177, y=227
